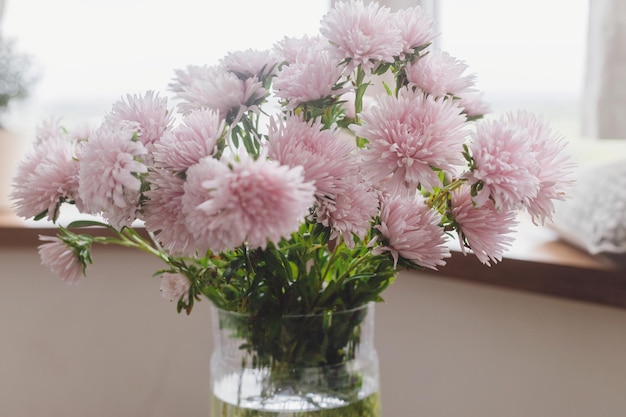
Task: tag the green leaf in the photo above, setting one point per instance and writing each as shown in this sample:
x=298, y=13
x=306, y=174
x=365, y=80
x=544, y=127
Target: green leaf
x=87, y=223
x=41, y=215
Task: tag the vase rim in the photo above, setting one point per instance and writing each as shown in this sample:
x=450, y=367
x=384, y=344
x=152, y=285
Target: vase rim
x=365, y=306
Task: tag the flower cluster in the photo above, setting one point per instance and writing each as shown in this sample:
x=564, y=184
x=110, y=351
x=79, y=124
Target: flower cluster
x=279, y=181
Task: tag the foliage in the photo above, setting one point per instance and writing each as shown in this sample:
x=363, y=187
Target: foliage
x=16, y=75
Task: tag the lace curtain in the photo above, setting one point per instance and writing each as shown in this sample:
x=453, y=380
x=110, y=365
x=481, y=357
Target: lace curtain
x=604, y=104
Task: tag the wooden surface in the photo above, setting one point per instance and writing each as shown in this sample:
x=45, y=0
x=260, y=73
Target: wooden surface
x=538, y=262
x=542, y=263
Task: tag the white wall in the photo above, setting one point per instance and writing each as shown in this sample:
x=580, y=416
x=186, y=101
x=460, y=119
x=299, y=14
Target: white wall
x=477, y=351
x=111, y=346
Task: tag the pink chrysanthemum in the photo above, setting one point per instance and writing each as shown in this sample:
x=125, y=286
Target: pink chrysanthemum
x=45, y=178
x=48, y=128
x=555, y=165
x=364, y=34
x=110, y=173
x=473, y=104
x=251, y=63
x=410, y=230
x=409, y=136
x=184, y=78
x=346, y=202
x=198, y=221
x=174, y=287
x=416, y=27
x=81, y=132
x=189, y=142
x=506, y=165
x=325, y=158
x=439, y=74
x=486, y=229
x=218, y=89
x=61, y=259
x=296, y=49
x=252, y=201
x=163, y=215
x=349, y=213
x=308, y=80
x=149, y=112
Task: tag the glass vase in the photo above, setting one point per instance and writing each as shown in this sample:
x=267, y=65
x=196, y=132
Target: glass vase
x=321, y=365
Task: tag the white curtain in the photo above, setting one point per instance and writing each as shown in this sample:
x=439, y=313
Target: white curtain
x=604, y=104
x=2, y=2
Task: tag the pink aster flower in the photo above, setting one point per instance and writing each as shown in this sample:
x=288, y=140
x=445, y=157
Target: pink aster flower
x=439, y=74
x=184, y=78
x=346, y=202
x=485, y=229
x=110, y=173
x=364, y=34
x=506, y=165
x=189, y=142
x=325, y=158
x=296, y=49
x=350, y=212
x=218, y=89
x=251, y=63
x=473, y=104
x=148, y=111
x=555, y=164
x=61, y=259
x=410, y=230
x=308, y=80
x=162, y=212
x=252, y=201
x=416, y=27
x=81, y=132
x=198, y=222
x=174, y=286
x=45, y=178
x=409, y=136
x=48, y=128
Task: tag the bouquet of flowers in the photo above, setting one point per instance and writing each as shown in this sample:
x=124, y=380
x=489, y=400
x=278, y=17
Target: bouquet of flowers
x=278, y=184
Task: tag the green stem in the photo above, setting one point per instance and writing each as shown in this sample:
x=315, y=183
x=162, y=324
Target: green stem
x=131, y=239
x=350, y=268
x=360, y=89
x=439, y=200
x=332, y=259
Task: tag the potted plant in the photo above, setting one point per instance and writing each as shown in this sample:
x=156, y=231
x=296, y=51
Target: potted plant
x=16, y=80
x=274, y=193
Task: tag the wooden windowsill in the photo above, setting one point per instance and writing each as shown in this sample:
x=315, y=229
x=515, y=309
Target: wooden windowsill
x=538, y=262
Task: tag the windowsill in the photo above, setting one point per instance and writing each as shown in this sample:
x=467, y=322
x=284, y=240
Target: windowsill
x=538, y=262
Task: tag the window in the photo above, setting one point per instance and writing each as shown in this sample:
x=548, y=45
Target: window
x=526, y=54
x=90, y=53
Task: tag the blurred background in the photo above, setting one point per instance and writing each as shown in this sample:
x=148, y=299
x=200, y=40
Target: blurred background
x=89, y=54
x=527, y=54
